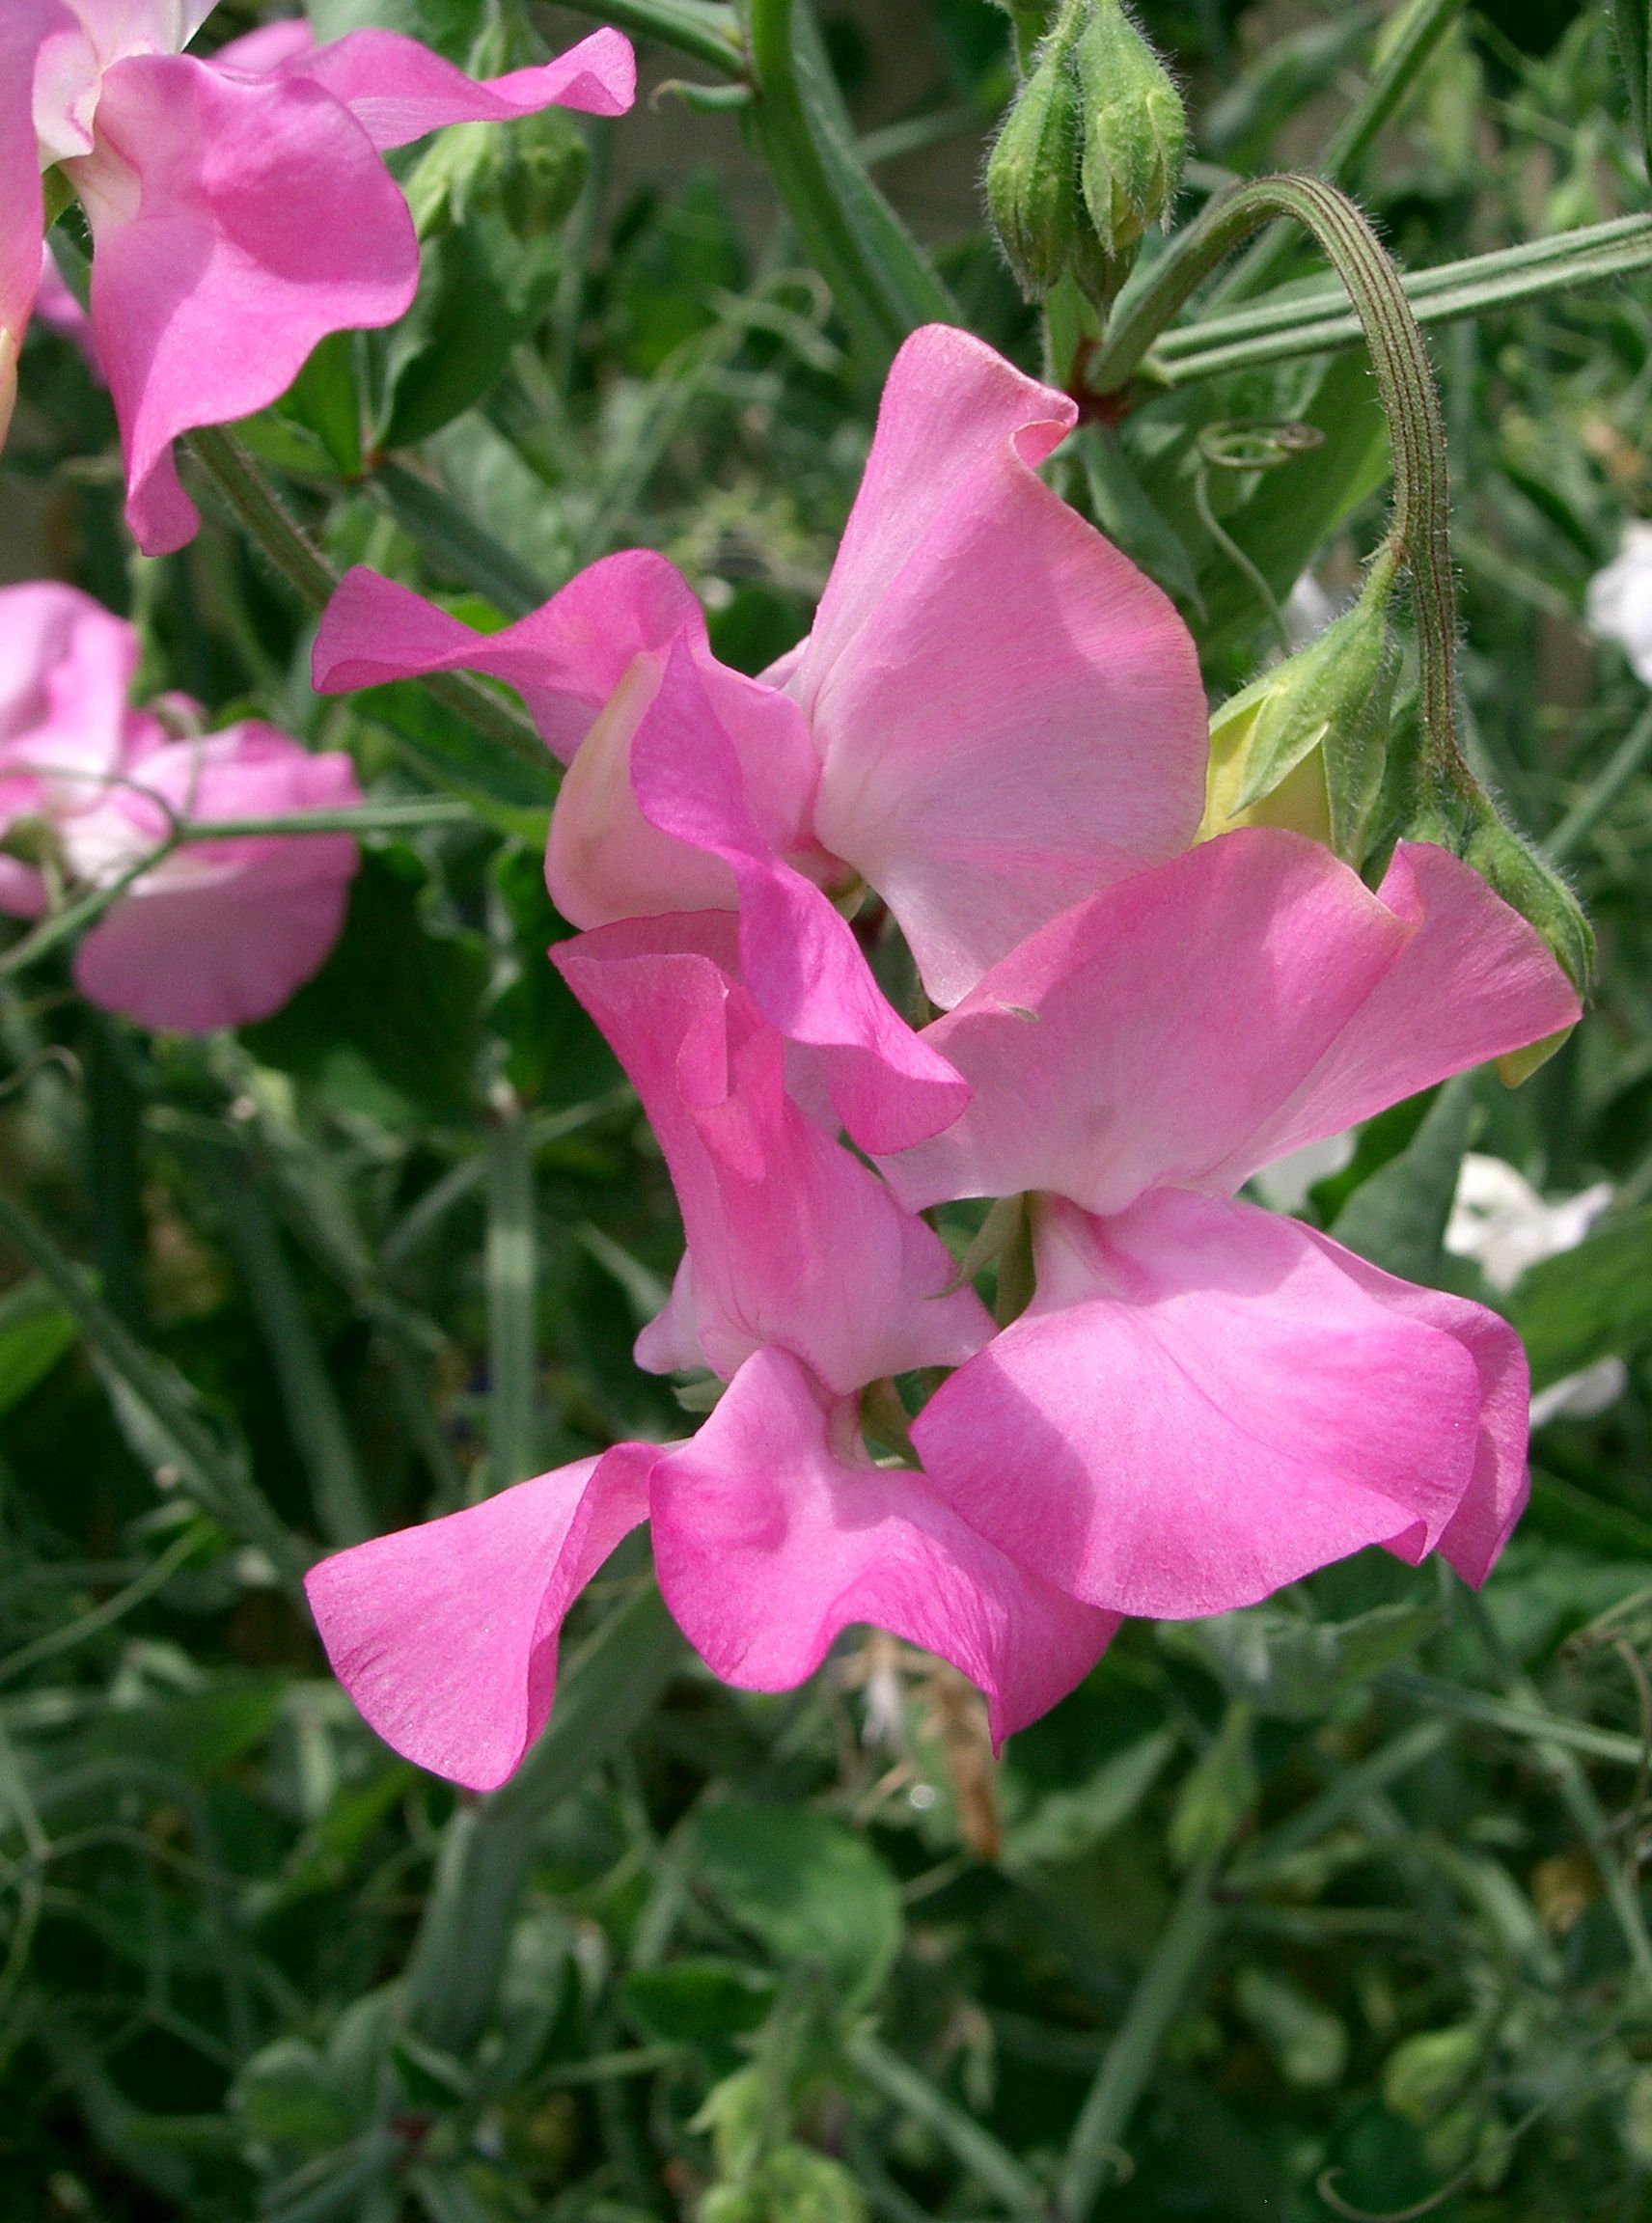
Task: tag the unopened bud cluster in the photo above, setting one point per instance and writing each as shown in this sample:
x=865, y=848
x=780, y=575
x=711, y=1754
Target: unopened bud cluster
x=1090, y=154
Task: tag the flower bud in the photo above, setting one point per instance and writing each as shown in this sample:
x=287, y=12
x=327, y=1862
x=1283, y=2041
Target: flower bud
x=1303, y=747
x=1032, y=174
x=1133, y=135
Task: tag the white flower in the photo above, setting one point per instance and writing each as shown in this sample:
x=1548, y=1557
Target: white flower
x=1499, y=1220
x=1619, y=604
x=1308, y=611
x=1582, y=1395
x=1283, y=1186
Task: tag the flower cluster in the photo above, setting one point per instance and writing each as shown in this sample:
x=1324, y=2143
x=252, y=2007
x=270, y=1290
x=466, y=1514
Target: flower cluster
x=213, y=190
x=986, y=763
x=202, y=932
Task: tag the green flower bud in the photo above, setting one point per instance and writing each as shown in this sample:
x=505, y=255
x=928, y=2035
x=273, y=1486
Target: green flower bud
x=1134, y=129
x=1032, y=174
x=1304, y=746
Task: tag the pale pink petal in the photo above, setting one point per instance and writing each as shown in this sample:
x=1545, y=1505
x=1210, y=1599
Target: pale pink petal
x=773, y=1533
x=446, y=1636
x=565, y=660
x=798, y=955
x=65, y=669
x=1009, y=714
x=1472, y=982
x=1496, y=1497
x=185, y=958
x=1142, y=1036
x=1201, y=1404
x=398, y=90
x=267, y=47
x=24, y=25
x=220, y=259
x=219, y=933
x=793, y=1241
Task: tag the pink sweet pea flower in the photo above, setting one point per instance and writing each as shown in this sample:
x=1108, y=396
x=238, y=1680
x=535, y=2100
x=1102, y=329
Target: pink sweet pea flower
x=216, y=933
x=239, y=207
x=773, y=1529
x=995, y=715
x=1205, y=1401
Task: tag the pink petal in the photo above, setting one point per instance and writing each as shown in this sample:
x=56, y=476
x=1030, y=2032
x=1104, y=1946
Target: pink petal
x=24, y=25
x=792, y=1240
x=66, y=670
x=1496, y=1497
x=1141, y=1036
x=267, y=47
x=1204, y=1404
x=798, y=955
x=446, y=1636
x=1472, y=982
x=565, y=660
x=398, y=90
x=220, y=259
x=22, y=888
x=774, y=1532
x=1009, y=714
x=219, y=933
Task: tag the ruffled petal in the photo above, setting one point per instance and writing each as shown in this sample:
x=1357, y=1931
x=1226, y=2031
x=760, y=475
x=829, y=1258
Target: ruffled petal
x=1140, y=1037
x=446, y=1636
x=66, y=670
x=1201, y=1020
x=792, y=1240
x=398, y=90
x=1202, y=1404
x=1010, y=715
x=774, y=1532
x=565, y=660
x=798, y=955
x=1473, y=981
x=220, y=259
x=1498, y=1489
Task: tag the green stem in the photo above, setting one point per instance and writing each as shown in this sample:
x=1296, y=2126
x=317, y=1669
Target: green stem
x=1122, y=2077
x=1598, y=798
x=459, y=1956
x=1419, y=530
x=1345, y=150
x=883, y=285
x=992, y=2164
x=704, y=29
x=314, y=1419
x=512, y=1326
x=253, y=502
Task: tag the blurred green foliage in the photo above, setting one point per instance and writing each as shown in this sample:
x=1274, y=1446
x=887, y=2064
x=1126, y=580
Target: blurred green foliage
x=808, y=1959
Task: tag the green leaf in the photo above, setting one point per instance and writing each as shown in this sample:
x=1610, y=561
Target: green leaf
x=1217, y=1792
x=482, y=292
x=397, y=1004
x=323, y=400
x=1397, y=1219
x=198, y=1734
x=807, y=1885
x=1308, y=2043
x=693, y=2001
x=1293, y=1668
x=289, y=2094
x=35, y=1332
x=1591, y=1303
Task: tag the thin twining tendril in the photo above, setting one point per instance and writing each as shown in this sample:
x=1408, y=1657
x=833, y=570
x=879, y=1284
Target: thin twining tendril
x=1325, y=2183
x=1248, y=444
